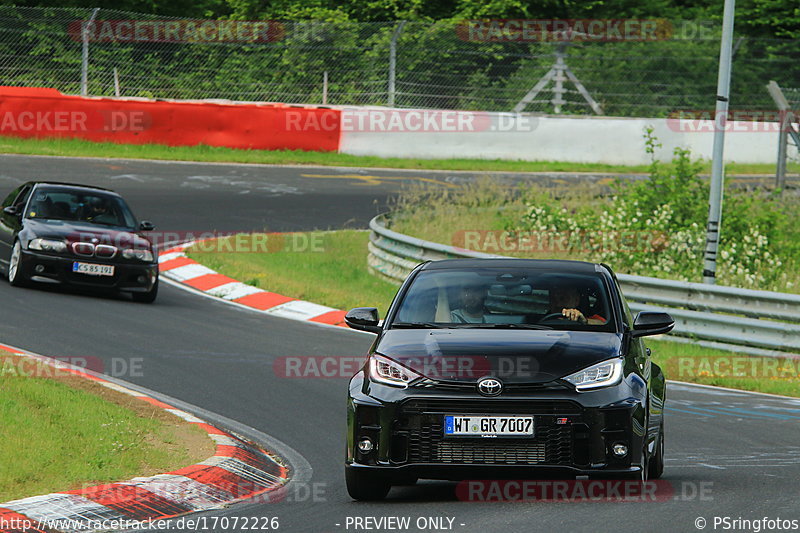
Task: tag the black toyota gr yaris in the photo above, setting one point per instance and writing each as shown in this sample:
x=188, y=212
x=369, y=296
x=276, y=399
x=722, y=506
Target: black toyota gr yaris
x=505, y=368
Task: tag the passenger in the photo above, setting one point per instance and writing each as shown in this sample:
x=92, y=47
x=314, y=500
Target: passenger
x=472, y=310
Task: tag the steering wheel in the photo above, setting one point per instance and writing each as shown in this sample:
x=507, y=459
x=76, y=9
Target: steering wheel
x=554, y=316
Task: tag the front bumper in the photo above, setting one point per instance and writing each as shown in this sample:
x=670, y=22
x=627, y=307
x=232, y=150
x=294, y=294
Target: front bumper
x=573, y=433
x=128, y=277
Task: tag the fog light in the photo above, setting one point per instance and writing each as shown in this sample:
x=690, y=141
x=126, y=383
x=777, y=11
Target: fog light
x=142, y=280
x=39, y=269
x=365, y=445
x=620, y=450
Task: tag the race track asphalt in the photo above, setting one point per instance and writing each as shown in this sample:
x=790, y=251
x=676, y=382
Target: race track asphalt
x=728, y=453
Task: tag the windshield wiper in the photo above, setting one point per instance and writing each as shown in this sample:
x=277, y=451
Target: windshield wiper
x=501, y=326
x=417, y=325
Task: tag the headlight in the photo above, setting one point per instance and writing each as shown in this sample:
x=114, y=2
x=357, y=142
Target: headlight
x=47, y=245
x=389, y=372
x=141, y=255
x=596, y=376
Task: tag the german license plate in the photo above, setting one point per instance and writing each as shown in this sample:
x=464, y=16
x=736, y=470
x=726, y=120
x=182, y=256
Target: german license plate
x=488, y=426
x=93, y=269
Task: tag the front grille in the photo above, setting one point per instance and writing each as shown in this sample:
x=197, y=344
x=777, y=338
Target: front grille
x=511, y=453
x=419, y=430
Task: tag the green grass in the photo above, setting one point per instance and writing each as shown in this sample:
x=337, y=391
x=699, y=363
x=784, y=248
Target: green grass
x=338, y=277
x=695, y=364
x=81, y=148
x=328, y=268
x=55, y=437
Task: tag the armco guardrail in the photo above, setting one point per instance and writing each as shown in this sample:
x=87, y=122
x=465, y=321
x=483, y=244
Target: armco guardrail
x=755, y=322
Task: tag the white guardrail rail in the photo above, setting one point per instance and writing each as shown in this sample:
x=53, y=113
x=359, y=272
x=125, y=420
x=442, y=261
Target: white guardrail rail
x=728, y=318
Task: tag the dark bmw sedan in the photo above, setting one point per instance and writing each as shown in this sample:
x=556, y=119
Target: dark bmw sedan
x=77, y=235
x=505, y=368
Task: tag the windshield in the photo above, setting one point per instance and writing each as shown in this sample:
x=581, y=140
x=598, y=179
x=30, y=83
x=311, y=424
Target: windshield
x=506, y=298
x=80, y=206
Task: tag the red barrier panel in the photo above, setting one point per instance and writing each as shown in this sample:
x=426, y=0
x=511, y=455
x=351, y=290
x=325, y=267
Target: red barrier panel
x=41, y=112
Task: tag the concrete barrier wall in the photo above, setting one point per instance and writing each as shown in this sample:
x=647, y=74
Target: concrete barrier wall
x=40, y=113
x=575, y=139
x=427, y=134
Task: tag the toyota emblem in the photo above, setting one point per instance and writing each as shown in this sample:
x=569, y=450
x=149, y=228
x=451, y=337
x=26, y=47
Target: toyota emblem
x=490, y=386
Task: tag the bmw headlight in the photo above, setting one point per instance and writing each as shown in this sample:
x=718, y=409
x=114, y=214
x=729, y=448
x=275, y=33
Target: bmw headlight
x=390, y=372
x=599, y=375
x=141, y=255
x=47, y=245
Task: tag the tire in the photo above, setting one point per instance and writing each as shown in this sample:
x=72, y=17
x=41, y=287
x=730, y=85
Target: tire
x=146, y=297
x=16, y=277
x=642, y=473
x=656, y=465
x=365, y=486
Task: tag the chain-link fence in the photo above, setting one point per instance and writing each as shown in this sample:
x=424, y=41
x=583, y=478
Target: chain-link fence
x=421, y=65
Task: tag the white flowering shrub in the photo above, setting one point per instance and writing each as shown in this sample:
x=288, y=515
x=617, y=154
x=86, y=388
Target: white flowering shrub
x=659, y=227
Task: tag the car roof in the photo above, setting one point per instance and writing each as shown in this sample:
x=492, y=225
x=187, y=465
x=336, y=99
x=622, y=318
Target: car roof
x=552, y=265
x=65, y=185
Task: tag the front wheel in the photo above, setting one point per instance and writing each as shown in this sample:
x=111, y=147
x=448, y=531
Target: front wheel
x=365, y=486
x=146, y=297
x=656, y=465
x=15, y=276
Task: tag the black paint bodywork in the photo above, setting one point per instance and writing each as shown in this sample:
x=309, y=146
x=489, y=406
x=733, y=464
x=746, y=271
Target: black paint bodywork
x=130, y=275
x=403, y=421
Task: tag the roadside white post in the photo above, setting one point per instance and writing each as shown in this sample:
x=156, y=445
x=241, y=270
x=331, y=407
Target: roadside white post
x=717, y=166
x=85, y=53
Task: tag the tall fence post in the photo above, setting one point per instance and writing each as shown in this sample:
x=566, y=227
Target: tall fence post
x=393, y=62
x=717, y=163
x=85, y=53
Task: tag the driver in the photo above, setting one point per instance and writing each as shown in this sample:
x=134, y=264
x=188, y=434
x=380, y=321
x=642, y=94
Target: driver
x=472, y=310
x=565, y=300
x=100, y=212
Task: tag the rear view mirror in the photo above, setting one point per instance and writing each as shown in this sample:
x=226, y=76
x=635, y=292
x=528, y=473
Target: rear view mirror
x=10, y=210
x=652, y=323
x=363, y=319
x=146, y=225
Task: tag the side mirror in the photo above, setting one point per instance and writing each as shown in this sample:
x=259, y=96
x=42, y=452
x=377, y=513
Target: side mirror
x=146, y=225
x=363, y=319
x=10, y=210
x=651, y=323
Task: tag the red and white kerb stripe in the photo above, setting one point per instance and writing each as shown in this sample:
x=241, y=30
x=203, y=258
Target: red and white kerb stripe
x=176, y=266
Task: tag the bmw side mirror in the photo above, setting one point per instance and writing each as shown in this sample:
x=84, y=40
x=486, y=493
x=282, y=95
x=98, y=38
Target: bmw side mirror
x=363, y=319
x=652, y=323
x=146, y=225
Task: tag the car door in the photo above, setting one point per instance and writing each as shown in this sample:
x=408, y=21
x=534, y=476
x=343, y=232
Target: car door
x=10, y=224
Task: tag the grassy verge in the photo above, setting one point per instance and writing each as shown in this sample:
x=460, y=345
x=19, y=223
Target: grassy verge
x=336, y=275
x=328, y=268
x=81, y=148
x=62, y=432
x=479, y=216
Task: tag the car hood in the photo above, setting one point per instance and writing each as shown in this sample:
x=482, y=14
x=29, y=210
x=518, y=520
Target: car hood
x=75, y=231
x=514, y=356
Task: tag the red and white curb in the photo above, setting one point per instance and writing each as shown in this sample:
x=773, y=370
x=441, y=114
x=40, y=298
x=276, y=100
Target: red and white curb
x=239, y=470
x=176, y=266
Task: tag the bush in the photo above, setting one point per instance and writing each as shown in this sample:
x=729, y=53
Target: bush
x=666, y=214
